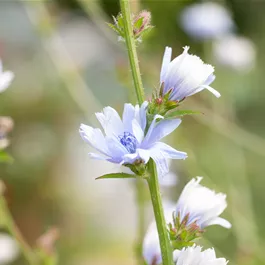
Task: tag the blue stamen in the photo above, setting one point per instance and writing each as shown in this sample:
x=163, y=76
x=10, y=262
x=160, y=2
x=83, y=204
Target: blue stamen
x=129, y=141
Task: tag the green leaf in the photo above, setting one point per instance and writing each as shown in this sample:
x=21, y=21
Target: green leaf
x=5, y=157
x=113, y=27
x=117, y=176
x=180, y=113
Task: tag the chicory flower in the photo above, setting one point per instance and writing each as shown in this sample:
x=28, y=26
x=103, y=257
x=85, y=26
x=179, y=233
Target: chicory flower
x=186, y=75
x=125, y=140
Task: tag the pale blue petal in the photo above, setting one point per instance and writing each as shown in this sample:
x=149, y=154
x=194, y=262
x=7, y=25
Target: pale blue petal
x=150, y=130
x=170, y=152
x=116, y=149
x=95, y=138
x=128, y=116
x=110, y=121
x=144, y=154
x=165, y=63
x=161, y=162
x=159, y=130
x=130, y=158
x=142, y=118
x=98, y=156
x=137, y=131
x=209, y=80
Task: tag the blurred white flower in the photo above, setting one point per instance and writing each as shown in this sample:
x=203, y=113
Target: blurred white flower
x=206, y=21
x=8, y=249
x=201, y=205
x=195, y=256
x=151, y=246
x=6, y=78
x=186, y=75
x=239, y=53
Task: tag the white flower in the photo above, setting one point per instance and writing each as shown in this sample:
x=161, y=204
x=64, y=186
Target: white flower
x=8, y=249
x=151, y=246
x=206, y=21
x=125, y=140
x=238, y=53
x=195, y=256
x=186, y=75
x=202, y=205
x=6, y=78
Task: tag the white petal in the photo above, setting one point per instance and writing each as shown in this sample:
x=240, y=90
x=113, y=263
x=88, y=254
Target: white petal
x=5, y=80
x=165, y=63
x=110, y=122
x=144, y=154
x=219, y=221
x=94, y=137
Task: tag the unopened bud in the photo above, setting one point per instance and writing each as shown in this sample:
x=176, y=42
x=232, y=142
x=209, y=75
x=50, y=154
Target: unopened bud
x=141, y=22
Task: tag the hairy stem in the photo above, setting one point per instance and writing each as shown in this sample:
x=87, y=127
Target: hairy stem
x=125, y=9
x=140, y=199
x=154, y=188
x=14, y=231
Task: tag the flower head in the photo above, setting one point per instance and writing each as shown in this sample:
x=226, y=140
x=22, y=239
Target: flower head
x=201, y=205
x=195, y=256
x=6, y=78
x=206, y=21
x=186, y=75
x=125, y=140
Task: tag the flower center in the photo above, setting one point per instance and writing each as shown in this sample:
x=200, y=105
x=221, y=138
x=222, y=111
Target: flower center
x=129, y=141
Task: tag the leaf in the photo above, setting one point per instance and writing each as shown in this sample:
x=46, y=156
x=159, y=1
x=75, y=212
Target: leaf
x=180, y=113
x=113, y=27
x=117, y=176
x=5, y=157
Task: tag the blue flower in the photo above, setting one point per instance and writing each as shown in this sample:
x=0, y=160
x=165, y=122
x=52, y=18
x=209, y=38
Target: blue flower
x=186, y=75
x=125, y=140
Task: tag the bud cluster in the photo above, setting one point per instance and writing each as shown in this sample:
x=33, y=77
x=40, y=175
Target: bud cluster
x=181, y=233
x=141, y=25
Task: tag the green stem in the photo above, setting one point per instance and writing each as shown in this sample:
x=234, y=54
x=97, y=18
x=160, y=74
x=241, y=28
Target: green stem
x=140, y=198
x=154, y=188
x=129, y=37
x=165, y=246
x=14, y=231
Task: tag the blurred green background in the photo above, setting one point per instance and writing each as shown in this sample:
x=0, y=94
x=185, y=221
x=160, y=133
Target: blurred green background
x=67, y=66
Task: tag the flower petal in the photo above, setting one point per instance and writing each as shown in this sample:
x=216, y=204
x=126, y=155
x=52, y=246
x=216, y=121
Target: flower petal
x=142, y=115
x=95, y=138
x=165, y=63
x=159, y=130
x=161, y=162
x=128, y=116
x=110, y=122
x=218, y=221
x=170, y=152
x=137, y=131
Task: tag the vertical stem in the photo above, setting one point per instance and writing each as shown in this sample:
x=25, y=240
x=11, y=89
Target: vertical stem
x=129, y=37
x=140, y=194
x=165, y=246
x=154, y=188
x=14, y=231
